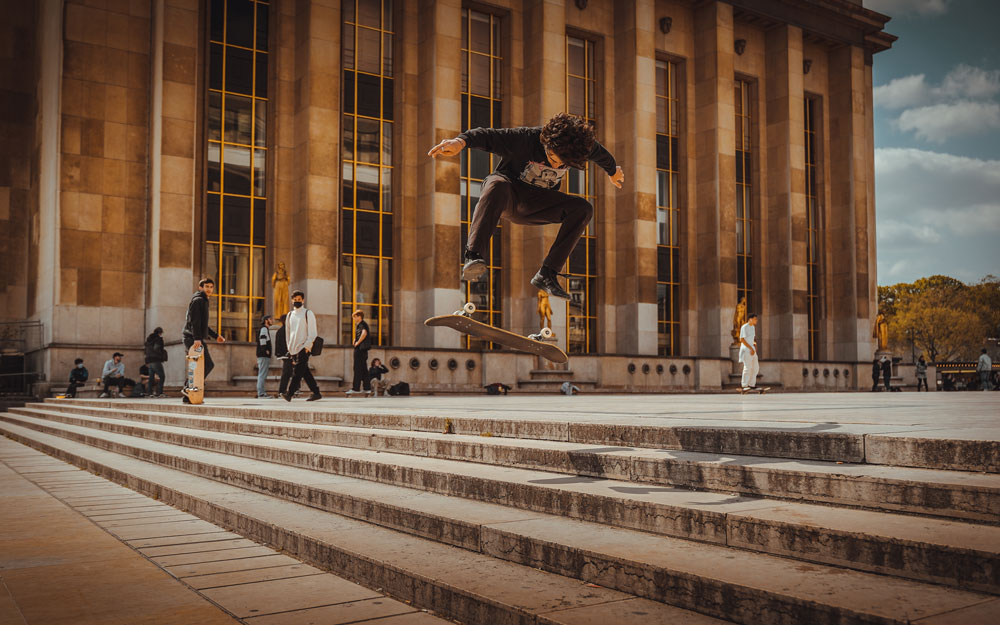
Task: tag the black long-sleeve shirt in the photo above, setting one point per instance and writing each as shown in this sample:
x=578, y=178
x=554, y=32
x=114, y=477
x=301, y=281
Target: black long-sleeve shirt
x=522, y=156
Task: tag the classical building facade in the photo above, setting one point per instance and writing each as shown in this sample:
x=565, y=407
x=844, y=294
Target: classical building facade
x=152, y=142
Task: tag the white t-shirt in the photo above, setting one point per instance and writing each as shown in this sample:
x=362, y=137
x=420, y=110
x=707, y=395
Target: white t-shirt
x=748, y=333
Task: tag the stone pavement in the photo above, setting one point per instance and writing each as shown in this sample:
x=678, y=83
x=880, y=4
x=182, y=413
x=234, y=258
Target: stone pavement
x=78, y=549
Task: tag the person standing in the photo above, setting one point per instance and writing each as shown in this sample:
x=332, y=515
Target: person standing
x=876, y=372
x=196, y=328
x=113, y=375
x=263, y=356
x=886, y=366
x=748, y=353
x=155, y=356
x=300, y=335
x=77, y=377
x=362, y=343
x=985, y=369
x=922, y=373
x=281, y=353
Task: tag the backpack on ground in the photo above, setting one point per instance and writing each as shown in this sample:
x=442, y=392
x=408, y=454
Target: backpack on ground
x=399, y=388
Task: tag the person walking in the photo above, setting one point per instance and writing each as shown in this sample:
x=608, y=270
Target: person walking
x=281, y=353
x=922, y=373
x=155, y=356
x=362, y=343
x=113, y=375
x=263, y=356
x=886, y=366
x=196, y=328
x=77, y=377
x=985, y=369
x=300, y=336
x=748, y=353
x=876, y=372
x=524, y=188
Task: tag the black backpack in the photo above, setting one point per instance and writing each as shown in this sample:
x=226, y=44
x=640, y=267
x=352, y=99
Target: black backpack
x=400, y=388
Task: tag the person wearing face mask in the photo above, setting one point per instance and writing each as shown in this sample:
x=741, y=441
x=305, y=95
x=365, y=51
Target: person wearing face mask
x=155, y=356
x=77, y=377
x=524, y=188
x=301, y=334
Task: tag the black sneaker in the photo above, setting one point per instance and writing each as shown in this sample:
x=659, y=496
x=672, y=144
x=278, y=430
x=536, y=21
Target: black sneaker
x=548, y=280
x=474, y=267
x=286, y=396
x=314, y=397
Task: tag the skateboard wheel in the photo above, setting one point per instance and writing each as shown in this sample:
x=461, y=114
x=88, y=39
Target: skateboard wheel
x=469, y=308
x=546, y=333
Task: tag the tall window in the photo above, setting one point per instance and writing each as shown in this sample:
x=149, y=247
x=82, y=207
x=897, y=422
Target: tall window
x=581, y=310
x=236, y=193
x=481, y=107
x=812, y=226
x=668, y=280
x=366, y=144
x=744, y=194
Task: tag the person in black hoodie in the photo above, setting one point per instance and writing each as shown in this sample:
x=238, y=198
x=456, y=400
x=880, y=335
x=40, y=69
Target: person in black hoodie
x=524, y=188
x=156, y=355
x=77, y=377
x=196, y=328
x=281, y=353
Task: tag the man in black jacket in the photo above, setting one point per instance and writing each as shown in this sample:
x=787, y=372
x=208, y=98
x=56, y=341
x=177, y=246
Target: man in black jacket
x=77, y=377
x=196, y=327
x=524, y=188
x=156, y=355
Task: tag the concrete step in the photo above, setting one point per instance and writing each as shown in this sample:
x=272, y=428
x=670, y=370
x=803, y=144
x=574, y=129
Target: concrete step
x=471, y=587
x=947, y=552
x=948, y=494
x=876, y=447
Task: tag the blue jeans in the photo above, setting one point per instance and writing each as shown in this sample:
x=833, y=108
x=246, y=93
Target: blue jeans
x=984, y=381
x=263, y=363
x=155, y=372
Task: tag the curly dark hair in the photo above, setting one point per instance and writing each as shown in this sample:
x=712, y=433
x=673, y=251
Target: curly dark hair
x=571, y=138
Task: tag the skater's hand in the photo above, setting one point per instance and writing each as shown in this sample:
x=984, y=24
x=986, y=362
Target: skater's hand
x=220, y=339
x=618, y=177
x=196, y=344
x=448, y=147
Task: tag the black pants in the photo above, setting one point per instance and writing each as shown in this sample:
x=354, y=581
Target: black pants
x=110, y=381
x=302, y=372
x=361, y=370
x=287, y=366
x=209, y=365
x=522, y=203
x=71, y=391
x=885, y=380
x=874, y=383
x=924, y=382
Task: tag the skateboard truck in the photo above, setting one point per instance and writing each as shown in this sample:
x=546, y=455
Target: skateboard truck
x=544, y=333
x=466, y=310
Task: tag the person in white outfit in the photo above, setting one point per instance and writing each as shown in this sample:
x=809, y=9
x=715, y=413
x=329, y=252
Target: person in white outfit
x=748, y=353
x=301, y=333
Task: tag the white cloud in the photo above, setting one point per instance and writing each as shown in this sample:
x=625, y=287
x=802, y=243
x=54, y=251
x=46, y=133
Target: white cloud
x=936, y=213
x=894, y=8
x=941, y=122
x=901, y=93
x=965, y=81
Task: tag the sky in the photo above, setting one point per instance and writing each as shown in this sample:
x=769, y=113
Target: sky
x=937, y=140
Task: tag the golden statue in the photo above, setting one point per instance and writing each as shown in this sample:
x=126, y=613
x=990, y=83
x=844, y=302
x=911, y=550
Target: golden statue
x=279, y=282
x=881, y=332
x=544, y=310
x=739, y=318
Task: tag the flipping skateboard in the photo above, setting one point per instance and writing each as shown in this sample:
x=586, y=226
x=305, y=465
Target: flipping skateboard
x=194, y=382
x=462, y=321
x=760, y=390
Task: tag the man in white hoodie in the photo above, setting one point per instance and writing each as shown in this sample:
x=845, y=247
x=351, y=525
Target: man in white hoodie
x=301, y=332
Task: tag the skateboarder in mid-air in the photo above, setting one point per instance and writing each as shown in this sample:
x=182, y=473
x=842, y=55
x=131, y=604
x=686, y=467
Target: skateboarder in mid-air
x=524, y=187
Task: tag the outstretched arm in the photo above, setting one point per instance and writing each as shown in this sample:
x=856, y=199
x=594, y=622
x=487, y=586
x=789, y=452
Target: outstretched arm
x=600, y=155
x=448, y=147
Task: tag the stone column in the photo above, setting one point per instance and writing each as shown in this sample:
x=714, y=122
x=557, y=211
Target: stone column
x=438, y=221
x=783, y=220
x=634, y=221
x=544, y=96
x=176, y=245
x=315, y=223
x=713, y=207
x=408, y=155
x=850, y=231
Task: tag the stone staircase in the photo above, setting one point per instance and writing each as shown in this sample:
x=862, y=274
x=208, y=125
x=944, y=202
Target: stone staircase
x=543, y=522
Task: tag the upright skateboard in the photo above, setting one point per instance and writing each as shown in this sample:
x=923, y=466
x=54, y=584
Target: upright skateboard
x=462, y=321
x=194, y=383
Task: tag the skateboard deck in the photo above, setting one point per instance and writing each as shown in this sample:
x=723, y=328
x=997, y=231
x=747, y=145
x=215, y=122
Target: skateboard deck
x=194, y=382
x=468, y=325
x=760, y=390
